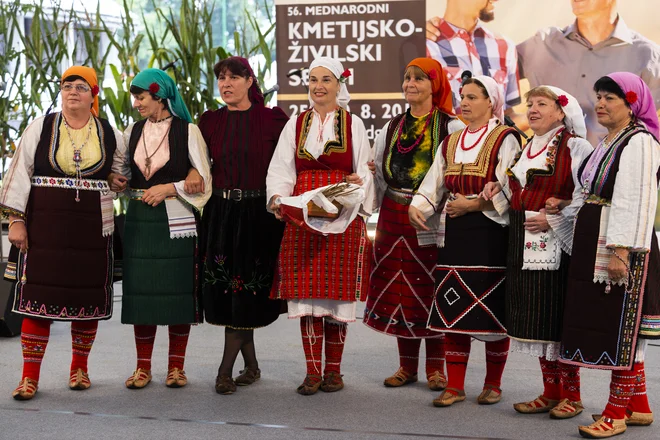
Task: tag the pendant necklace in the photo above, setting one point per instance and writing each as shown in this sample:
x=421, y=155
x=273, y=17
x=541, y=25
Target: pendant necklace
x=147, y=158
x=77, y=155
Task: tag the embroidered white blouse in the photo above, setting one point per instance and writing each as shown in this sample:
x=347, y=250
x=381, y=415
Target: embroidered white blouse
x=635, y=197
x=432, y=191
x=282, y=175
x=563, y=222
x=197, y=154
x=17, y=182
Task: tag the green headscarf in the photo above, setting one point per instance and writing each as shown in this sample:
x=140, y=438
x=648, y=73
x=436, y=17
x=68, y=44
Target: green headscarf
x=162, y=85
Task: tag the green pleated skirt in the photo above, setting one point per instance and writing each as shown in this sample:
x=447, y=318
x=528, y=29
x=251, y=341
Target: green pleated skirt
x=159, y=282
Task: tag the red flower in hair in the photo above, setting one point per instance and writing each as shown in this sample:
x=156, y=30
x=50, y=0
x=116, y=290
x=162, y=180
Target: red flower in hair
x=344, y=76
x=631, y=97
x=154, y=88
x=562, y=100
x=95, y=90
x=433, y=74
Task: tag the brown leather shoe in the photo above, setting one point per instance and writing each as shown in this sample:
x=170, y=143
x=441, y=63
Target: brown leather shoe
x=79, y=380
x=176, y=378
x=247, y=376
x=437, y=381
x=490, y=395
x=566, y=409
x=332, y=382
x=632, y=418
x=539, y=405
x=400, y=378
x=310, y=385
x=448, y=397
x=26, y=390
x=139, y=379
x=224, y=384
x=602, y=429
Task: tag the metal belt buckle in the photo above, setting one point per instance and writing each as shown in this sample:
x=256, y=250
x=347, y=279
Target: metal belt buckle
x=240, y=194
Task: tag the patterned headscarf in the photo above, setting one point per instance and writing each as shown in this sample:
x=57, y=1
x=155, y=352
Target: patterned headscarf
x=162, y=85
x=89, y=75
x=639, y=98
x=440, y=88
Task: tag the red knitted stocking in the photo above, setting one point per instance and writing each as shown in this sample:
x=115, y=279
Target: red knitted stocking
x=639, y=402
x=335, y=336
x=622, y=387
x=497, y=353
x=570, y=382
x=409, y=354
x=435, y=355
x=312, y=339
x=458, y=352
x=178, y=343
x=83, y=334
x=145, y=336
x=551, y=379
x=34, y=339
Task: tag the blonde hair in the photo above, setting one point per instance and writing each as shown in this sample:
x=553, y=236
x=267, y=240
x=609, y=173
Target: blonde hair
x=416, y=71
x=544, y=92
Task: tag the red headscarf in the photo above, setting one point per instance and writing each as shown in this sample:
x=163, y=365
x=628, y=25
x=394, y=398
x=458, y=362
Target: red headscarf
x=440, y=88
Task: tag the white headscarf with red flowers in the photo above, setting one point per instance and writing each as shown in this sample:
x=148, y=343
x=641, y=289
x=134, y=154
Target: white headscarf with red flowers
x=337, y=69
x=574, y=119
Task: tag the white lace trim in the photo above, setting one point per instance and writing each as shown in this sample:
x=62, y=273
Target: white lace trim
x=549, y=350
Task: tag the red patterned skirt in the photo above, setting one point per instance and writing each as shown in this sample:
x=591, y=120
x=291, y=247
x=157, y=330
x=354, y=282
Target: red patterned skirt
x=323, y=267
x=402, y=282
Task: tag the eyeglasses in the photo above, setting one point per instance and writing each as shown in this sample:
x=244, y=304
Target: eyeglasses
x=80, y=88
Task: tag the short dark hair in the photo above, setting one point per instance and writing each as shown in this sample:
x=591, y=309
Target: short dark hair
x=477, y=83
x=234, y=65
x=135, y=90
x=608, y=85
x=72, y=78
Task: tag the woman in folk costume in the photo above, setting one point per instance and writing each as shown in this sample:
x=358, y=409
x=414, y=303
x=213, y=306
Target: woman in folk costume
x=320, y=276
x=241, y=239
x=469, y=293
x=613, y=299
x=401, y=285
x=160, y=285
x=61, y=215
x=540, y=242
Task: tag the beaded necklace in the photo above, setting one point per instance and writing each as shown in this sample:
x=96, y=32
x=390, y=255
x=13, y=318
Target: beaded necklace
x=481, y=136
x=403, y=150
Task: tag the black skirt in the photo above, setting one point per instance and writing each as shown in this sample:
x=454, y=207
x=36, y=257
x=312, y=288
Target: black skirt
x=240, y=243
x=534, y=298
x=469, y=277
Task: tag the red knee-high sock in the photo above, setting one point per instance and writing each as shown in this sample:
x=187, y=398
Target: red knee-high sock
x=622, y=386
x=409, y=354
x=458, y=352
x=145, y=336
x=639, y=402
x=551, y=379
x=311, y=329
x=83, y=334
x=497, y=353
x=335, y=336
x=435, y=355
x=570, y=382
x=178, y=343
x=34, y=339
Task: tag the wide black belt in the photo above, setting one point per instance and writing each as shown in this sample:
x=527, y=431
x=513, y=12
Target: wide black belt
x=401, y=196
x=239, y=194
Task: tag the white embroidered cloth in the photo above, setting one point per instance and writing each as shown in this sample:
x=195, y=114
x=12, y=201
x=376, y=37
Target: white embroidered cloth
x=541, y=250
x=180, y=218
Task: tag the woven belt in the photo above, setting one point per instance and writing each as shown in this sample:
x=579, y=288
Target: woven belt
x=239, y=194
x=71, y=183
x=401, y=196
